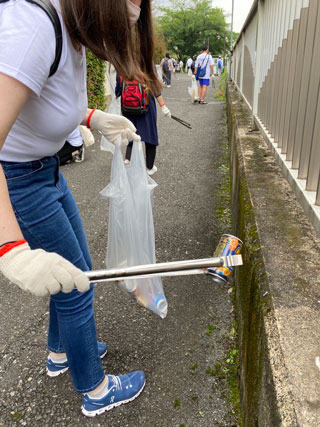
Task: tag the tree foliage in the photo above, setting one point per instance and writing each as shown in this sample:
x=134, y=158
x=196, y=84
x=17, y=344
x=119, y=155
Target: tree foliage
x=95, y=81
x=189, y=24
x=160, y=47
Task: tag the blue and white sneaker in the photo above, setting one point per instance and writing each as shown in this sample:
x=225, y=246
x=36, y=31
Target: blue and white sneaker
x=57, y=368
x=120, y=389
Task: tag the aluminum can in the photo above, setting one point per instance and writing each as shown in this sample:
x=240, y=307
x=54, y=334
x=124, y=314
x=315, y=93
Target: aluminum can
x=228, y=245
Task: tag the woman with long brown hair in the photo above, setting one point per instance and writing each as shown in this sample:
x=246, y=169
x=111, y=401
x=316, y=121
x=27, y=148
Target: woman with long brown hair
x=37, y=112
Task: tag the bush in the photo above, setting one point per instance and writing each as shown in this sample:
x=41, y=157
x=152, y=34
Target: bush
x=221, y=92
x=95, y=81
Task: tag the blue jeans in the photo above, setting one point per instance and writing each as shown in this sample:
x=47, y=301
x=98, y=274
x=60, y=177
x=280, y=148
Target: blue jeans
x=49, y=219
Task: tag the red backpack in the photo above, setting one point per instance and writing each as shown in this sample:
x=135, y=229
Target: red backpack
x=133, y=98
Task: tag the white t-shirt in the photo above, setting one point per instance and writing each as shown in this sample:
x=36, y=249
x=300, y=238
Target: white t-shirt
x=75, y=138
x=189, y=62
x=57, y=104
x=201, y=61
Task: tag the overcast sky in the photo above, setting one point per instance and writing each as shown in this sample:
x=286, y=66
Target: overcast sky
x=241, y=10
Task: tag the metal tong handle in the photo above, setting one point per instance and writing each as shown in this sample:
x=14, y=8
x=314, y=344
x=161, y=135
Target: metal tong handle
x=175, y=268
x=182, y=122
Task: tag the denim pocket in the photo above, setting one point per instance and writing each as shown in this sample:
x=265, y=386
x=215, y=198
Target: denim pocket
x=18, y=171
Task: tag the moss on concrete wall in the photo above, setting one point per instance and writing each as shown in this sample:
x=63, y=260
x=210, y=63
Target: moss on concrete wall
x=252, y=301
x=278, y=287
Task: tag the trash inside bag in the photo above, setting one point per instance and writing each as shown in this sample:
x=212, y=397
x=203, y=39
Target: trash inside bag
x=193, y=90
x=130, y=228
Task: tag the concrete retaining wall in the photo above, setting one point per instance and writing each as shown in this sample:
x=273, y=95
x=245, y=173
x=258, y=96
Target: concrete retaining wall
x=277, y=289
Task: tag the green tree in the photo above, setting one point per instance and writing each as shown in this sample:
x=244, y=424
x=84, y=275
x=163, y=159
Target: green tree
x=188, y=24
x=160, y=47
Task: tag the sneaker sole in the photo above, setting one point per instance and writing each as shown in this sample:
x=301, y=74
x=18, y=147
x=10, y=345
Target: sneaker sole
x=100, y=411
x=56, y=373
x=53, y=374
x=79, y=160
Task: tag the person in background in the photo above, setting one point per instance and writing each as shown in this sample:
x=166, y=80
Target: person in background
x=166, y=67
x=204, y=60
x=188, y=64
x=37, y=113
x=146, y=126
x=193, y=64
x=181, y=66
x=219, y=66
x=174, y=65
x=73, y=149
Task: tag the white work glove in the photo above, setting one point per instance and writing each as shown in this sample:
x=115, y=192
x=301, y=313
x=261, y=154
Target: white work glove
x=41, y=273
x=166, y=111
x=87, y=136
x=193, y=77
x=113, y=126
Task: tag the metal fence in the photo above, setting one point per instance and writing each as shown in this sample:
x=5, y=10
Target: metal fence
x=276, y=66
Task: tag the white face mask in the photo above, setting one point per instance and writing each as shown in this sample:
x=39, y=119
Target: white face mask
x=134, y=12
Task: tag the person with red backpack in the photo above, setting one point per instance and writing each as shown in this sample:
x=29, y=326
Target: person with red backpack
x=139, y=106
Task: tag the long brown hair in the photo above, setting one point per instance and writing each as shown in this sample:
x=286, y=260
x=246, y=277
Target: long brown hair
x=103, y=27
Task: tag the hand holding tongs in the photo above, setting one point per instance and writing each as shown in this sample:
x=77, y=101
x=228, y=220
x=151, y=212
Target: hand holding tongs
x=175, y=268
x=182, y=122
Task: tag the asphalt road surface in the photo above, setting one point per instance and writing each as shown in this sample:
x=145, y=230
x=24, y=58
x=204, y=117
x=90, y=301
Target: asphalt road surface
x=177, y=353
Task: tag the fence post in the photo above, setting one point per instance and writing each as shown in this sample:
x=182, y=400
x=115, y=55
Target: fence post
x=258, y=57
x=243, y=44
x=231, y=42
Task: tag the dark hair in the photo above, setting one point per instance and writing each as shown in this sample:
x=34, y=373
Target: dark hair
x=205, y=47
x=167, y=55
x=103, y=27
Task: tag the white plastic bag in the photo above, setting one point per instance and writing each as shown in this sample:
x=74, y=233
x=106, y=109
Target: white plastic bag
x=193, y=90
x=159, y=72
x=130, y=227
x=114, y=108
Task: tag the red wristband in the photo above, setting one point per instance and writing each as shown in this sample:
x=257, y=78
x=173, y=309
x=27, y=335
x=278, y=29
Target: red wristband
x=162, y=105
x=89, y=118
x=8, y=246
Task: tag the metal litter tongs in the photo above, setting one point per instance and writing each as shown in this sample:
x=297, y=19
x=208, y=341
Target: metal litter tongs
x=182, y=122
x=175, y=268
